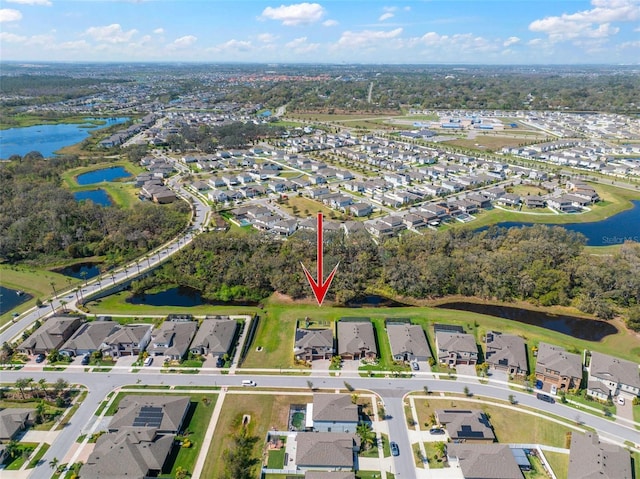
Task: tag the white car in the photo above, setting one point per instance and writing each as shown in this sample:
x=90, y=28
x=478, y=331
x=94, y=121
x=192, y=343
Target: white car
x=620, y=400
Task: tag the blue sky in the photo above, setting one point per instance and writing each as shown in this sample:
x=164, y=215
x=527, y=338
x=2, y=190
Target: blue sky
x=329, y=31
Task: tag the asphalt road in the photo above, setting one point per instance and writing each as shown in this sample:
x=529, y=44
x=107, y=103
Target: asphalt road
x=391, y=391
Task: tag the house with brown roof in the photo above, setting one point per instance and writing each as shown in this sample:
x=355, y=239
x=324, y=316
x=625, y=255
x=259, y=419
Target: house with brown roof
x=408, y=341
x=334, y=451
x=13, y=420
x=610, y=376
x=215, y=336
x=51, y=335
x=591, y=459
x=128, y=340
x=135, y=453
x=163, y=413
x=356, y=339
x=313, y=344
x=456, y=348
x=557, y=369
x=334, y=413
x=506, y=352
x=484, y=461
x=466, y=425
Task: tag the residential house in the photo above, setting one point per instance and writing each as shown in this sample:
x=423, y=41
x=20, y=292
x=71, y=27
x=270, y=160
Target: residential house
x=408, y=341
x=506, y=352
x=312, y=344
x=333, y=451
x=51, y=335
x=129, y=340
x=136, y=453
x=484, y=461
x=165, y=413
x=13, y=420
x=509, y=199
x=558, y=369
x=329, y=475
x=356, y=339
x=333, y=413
x=591, y=459
x=172, y=339
x=610, y=376
x=466, y=425
x=456, y=348
x=88, y=338
x=534, y=202
x=215, y=336
x=360, y=209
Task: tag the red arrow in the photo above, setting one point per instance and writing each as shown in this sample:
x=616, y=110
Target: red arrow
x=319, y=287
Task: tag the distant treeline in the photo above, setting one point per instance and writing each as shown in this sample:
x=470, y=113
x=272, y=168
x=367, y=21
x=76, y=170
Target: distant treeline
x=41, y=221
x=540, y=264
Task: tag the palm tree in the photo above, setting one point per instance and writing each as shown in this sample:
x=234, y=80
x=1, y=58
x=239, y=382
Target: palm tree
x=22, y=383
x=367, y=435
x=441, y=448
x=181, y=472
x=42, y=385
x=53, y=463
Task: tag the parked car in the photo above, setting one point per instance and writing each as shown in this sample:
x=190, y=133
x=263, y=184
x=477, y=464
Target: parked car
x=40, y=357
x=395, y=451
x=544, y=397
x=621, y=400
x=415, y=366
x=219, y=362
x=436, y=430
x=148, y=361
x=85, y=359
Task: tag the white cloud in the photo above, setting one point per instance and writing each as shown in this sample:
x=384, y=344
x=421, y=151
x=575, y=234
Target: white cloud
x=385, y=16
x=267, y=37
x=110, y=34
x=9, y=15
x=185, y=41
x=46, y=3
x=511, y=41
x=330, y=23
x=300, y=45
x=76, y=45
x=593, y=23
x=296, y=14
x=12, y=37
x=365, y=37
x=159, y=31
x=233, y=46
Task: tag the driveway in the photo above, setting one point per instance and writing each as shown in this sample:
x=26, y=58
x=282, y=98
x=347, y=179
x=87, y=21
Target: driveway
x=625, y=411
x=319, y=367
x=497, y=375
x=350, y=368
x=466, y=370
x=126, y=361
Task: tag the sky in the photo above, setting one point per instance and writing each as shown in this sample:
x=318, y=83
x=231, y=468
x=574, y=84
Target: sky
x=328, y=31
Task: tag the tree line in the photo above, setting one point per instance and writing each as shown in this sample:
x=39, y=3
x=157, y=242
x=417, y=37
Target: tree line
x=41, y=220
x=540, y=264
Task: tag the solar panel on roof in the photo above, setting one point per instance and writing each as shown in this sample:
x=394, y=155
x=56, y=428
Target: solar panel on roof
x=466, y=432
x=149, y=416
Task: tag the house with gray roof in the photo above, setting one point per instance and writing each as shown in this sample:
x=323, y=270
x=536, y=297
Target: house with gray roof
x=356, y=339
x=610, y=376
x=329, y=475
x=215, y=336
x=590, y=459
x=466, y=425
x=163, y=413
x=484, y=461
x=14, y=420
x=128, y=340
x=408, y=341
x=456, y=348
x=313, y=344
x=88, y=338
x=326, y=451
x=506, y=352
x=51, y=335
x=334, y=413
x=172, y=339
x=132, y=453
x=558, y=369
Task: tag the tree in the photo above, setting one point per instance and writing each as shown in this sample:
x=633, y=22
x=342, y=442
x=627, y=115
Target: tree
x=53, y=463
x=310, y=385
x=11, y=449
x=512, y=399
x=60, y=386
x=22, y=384
x=441, y=448
x=466, y=391
x=366, y=434
x=181, y=473
x=40, y=410
x=239, y=463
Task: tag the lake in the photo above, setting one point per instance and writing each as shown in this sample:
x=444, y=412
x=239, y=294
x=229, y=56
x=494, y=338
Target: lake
x=9, y=299
x=99, y=197
x=181, y=296
x=81, y=270
x=47, y=139
x=103, y=174
x=614, y=230
x=581, y=328
x=373, y=301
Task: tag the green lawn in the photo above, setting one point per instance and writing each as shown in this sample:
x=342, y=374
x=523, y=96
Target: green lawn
x=435, y=459
x=509, y=426
x=276, y=458
x=559, y=463
x=537, y=469
x=35, y=459
x=266, y=412
x=23, y=451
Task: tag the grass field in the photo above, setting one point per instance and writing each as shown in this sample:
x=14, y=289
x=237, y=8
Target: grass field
x=306, y=207
x=266, y=412
x=489, y=142
x=509, y=426
x=559, y=463
x=36, y=282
